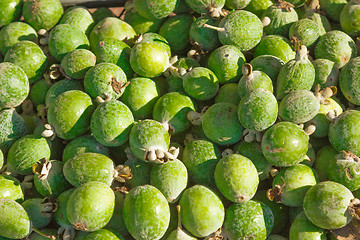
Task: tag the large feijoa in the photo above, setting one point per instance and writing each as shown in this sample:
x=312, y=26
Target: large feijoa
x=10, y=11
x=155, y=9
x=39, y=211
x=142, y=24
x=78, y=17
x=349, y=81
x=303, y=229
x=69, y=114
x=268, y=64
x=207, y=6
x=350, y=17
x=75, y=64
x=10, y=188
x=332, y=8
x=146, y=213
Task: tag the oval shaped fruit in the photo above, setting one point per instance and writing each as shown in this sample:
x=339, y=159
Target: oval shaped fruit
x=228, y=93
x=268, y=64
x=305, y=31
x=75, y=64
x=350, y=17
x=142, y=24
x=155, y=8
x=10, y=11
x=60, y=216
x=62, y=86
x=116, y=223
x=326, y=73
x=39, y=211
x=349, y=79
x=206, y=38
x=78, y=17
x=101, y=234
x=302, y=229
x=277, y=46
x=10, y=188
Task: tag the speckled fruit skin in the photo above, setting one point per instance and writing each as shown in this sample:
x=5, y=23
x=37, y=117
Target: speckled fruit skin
x=284, y=144
x=14, y=85
x=258, y=110
x=244, y=220
x=91, y=206
x=237, y=4
x=336, y=46
x=207, y=38
x=25, y=152
x=12, y=128
x=202, y=212
x=14, y=33
x=203, y=6
x=78, y=17
x=141, y=24
x=306, y=31
x=149, y=59
x=226, y=62
x=60, y=216
x=70, y=114
x=10, y=188
x=277, y=46
x=111, y=123
x=332, y=8
x=252, y=81
x=173, y=108
x=101, y=234
x=34, y=208
x=155, y=38
x=344, y=133
x=350, y=17
x=146, y=213
x=1, y=158
x=326, y=204
x=170, y=178
x=111, y=27
x=14, y=221
x=75, y=64
x=303, y=229
x=268, y=64
x=61, y=86
x=140, y=171
x=237, y=31
x=116, y=223
x=102, y=13
x=349, y=81
x=155, y=9
x=324, y=156
x=221, y=124
x=42, y=14
x=228, y=93
x=38, y=92
x=179, y=234
x=236, y=177
x=326, y=73
x=65, y=38
x=148, y=133
x=10, y=11
x=105, y=78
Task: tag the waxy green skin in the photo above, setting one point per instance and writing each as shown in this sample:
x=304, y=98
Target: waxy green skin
x=10, y=188
x=89, y=167
x=29, y=57
x=228, y=93
x=102, y=13
x=284, y=144
x=1, y=158
x=200, y=158
x=14, y=85
x=155, y=9
x=349, y=81
x=281, y=20
x=76, y=63
x=237, y=31
x=175, y=83
x=179, y=234
x=146, y=134
x=221, y=124
x=324, y=156
x=38, y=92
x=268, y=64
x=60, y=216
x=252, y=150
x=326, y=205
x=25, y=152
x=207, y=38
x=111, y=123
x=200, y=83
x=350, y=17
x=12, y=128
x=170, y=178
x=336, y=46
x=237, y=4
x=277, y=46
x=42, y=14
x=146, y=213
x=141, y=24
x=10, y=11
x=140, y=172
x=62, y=86
x=326, y=73
x=149, y=59
x=226, y=62
x=306, y=31
x=303, y=229
x=203, y=6
x=114, y=51
x=344, y=132
x=258, y=110
x=172, y=108
x=14, y=221
x=258, y=6
x=236, y=177
x=34, y=208
x=101, y=78
x=333, y=8
x=253, y=81
x=276, y=237
x=111, y=27
x=70, y=114
x=140, y=96
x=116, y=223
x=91, y=205
x=55, y=182
x=202, y=211
x=155, y=38
x=244, y=220
x=102, y=234
x=78, y=17
x=65, y=38
x=321, y=21
x=296, y=180
x=14, y=33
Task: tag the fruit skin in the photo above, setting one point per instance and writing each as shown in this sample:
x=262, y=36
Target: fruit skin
x=146, y=213
x=62, y=86
x=349, y=81
x=284, y=144
x=1, y=159
x=207, y=38
x=251, y=80
x=91, y=206
x=258, y=6
x=324, y=155
x=344, y=133
x=11, y=188
x=306, y=31
x=236, y=177
x=75, y=64
x=333, y=8
x=228, y=93
x=25, y=152
x=141, y=24
x=101, y=234
x=116, y=223
x=38, y=92
x=42, y=14
x=70, y=114
x=10, y=11
x=35, y=208
x=14, y=221
x=78, y=17
x=14, y=85
x=302, y=229
x=140, y=171
x=202, y=212
x=111, y=123
x=326, y=204
x=350, y=17
x=326, y=73
x=155, y=9
x=60, y=216
x=268, y=64
x=203, y=6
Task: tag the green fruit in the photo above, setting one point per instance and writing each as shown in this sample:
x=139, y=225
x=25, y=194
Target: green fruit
x=142, y=24
x=140, y=172
x=42, y=14
x=14, y=221
x=48, y=232
x=10, y=188
x=155, y=9
x=277, y=46
x=320, y=20
x=90, y=206
x=202, y=212
x=1, y=159
x=228, y=93
x=155, y=38
x=38, y=92
x=333, y=8
x=268, y=64
x=146, y=213
x=302, y=229
x=324, y=156
x=101, y=234
x=206, y=6
x=39, y=211
x=10, y=11
x=70, y=114
x=175, y=82
x=305, y=31
x=326, y=73
x=206, y=38
x=60, y=216
x=258, y=6
x=102, y=13
x=349, y=18
x=116, y=223
x=75, y=64
x=78, y=17
x=61, y=86
x=349, y=79
x=236, y=4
